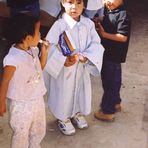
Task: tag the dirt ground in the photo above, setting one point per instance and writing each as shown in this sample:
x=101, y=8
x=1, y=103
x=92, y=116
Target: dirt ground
x=130, y=129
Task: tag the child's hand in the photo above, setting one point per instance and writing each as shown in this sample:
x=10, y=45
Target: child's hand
x=100, y=29
x=82, y=59
x=44, y=52
x=44, y=46
x=96, y=21
x=71, y=60
x=2, y=107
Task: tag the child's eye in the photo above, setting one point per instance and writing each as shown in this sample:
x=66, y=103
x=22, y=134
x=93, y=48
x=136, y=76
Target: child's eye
x=70, y=2
x=79, y=1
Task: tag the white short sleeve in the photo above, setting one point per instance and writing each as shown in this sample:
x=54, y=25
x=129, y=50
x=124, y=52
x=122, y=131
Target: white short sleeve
x=10, y=60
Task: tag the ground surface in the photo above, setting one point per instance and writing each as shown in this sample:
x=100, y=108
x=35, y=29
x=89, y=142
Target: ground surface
x=130, y=129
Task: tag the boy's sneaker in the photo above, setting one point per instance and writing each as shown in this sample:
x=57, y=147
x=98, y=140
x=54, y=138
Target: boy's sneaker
x=80, y=121
x=66, y=127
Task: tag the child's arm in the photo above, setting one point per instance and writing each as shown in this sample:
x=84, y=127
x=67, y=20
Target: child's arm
x=44, y=53
x=7, y=75
x=115, y=37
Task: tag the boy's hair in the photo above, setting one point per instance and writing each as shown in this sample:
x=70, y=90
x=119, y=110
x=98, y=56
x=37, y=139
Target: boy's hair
x=21, y=25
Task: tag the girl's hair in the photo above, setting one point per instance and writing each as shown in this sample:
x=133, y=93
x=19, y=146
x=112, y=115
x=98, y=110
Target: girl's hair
x=21, y=25
x=84, y=1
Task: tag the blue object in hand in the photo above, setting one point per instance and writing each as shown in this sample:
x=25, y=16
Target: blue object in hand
x=63, y=45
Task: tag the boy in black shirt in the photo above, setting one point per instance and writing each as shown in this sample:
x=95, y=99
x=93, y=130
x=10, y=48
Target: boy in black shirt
x=115, y=34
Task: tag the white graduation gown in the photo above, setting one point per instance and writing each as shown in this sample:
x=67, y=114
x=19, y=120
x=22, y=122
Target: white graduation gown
x=69, y=88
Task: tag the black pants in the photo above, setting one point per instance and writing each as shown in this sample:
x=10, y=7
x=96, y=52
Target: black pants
x=111, y=82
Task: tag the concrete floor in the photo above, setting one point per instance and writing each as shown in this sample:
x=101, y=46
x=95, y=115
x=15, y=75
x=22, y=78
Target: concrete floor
x=130, y=129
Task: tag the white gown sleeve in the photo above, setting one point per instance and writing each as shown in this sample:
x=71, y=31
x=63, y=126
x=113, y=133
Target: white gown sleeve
x=56, y=59
x=94, y=52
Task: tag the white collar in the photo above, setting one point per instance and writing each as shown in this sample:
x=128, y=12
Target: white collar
x=69, y=20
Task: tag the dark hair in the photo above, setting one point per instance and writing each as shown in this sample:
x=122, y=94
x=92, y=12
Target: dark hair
x=21, y=25
x=85, y=3
x=20, y=3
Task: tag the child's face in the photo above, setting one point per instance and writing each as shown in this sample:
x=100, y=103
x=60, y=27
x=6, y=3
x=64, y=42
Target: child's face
x=33, y=41
x=113, y=4
x=73, y=8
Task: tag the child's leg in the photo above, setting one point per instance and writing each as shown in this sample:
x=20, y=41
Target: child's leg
x=20, y=120
x=38, y=128
x=111, y=81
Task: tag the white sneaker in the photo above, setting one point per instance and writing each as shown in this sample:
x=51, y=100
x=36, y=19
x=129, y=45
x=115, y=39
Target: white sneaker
x=80, y=121
x=66, y=127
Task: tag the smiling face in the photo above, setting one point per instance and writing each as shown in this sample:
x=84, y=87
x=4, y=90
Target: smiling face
x=73, y=8
x=113, y=4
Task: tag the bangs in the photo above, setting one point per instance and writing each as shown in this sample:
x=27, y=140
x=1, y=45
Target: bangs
x=78, y=1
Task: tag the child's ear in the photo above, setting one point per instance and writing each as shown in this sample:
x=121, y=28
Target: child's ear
x=28, y=37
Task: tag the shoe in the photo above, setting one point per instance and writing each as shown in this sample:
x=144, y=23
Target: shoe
x=66, y=127
x=118, y=107
x=80, y=121
x=104, y=117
